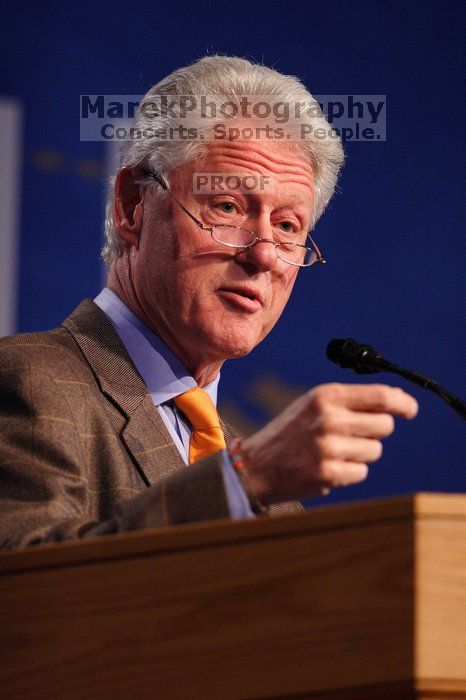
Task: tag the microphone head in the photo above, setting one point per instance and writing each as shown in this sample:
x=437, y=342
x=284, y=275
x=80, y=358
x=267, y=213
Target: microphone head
x=339, y=350
x=349, y=354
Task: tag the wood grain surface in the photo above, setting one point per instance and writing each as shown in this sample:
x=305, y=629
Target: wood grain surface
x=357, y=601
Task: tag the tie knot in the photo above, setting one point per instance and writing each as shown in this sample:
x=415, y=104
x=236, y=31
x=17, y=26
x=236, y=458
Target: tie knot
x=198, y=408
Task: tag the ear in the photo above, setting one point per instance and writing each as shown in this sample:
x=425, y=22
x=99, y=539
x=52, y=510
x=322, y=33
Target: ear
x=129, y=206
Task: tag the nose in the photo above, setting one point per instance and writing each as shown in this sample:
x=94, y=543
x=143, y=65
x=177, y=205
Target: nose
x=262, y=255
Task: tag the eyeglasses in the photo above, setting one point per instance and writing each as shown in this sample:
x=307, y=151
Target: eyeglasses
x=238, y=237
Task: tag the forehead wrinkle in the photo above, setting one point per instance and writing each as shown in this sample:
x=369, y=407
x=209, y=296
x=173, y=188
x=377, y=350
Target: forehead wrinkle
x=285, y=171
x=279, y=158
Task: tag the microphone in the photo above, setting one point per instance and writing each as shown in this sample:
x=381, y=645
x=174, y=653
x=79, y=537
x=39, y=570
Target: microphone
x=364, y=359
x=349, y=354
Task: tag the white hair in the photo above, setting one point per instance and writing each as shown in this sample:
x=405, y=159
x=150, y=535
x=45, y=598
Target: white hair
x=223, y=80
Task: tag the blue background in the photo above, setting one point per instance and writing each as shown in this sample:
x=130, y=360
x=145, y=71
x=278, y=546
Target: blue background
x=393, y=235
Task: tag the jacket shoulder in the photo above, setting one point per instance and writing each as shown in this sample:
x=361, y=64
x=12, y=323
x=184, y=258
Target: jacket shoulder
x=54, y=352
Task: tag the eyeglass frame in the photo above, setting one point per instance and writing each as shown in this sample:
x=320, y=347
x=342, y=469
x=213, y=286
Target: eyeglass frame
x=319, y=257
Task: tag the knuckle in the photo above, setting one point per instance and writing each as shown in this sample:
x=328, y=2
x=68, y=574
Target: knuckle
x=327, y=447
x=397, y=394
x=335, y=391
x=381, y=395
x=317, y=402
x=325, y=394
x=343, y=425
x=319, y=448
x=319, y=405
x=326, y=422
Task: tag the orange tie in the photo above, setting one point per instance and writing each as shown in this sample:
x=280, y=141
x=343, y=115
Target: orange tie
x=207, y=436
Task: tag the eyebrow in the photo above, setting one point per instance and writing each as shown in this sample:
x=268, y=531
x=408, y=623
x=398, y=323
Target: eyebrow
x=252, y=196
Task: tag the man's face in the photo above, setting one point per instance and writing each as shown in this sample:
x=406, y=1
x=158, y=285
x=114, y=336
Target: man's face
x=191, y=288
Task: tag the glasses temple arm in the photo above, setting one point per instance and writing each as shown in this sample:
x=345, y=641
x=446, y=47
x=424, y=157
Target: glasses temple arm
x=163, y=184
x=320, y=257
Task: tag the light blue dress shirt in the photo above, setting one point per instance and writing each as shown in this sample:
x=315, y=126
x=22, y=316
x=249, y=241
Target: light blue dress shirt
x=166, y=377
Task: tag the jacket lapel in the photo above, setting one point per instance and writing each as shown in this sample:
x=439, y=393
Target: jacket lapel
x=149, y=442
x=144, y=435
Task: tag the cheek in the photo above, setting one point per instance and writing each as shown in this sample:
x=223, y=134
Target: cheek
x=280, y=296
x=283, y=290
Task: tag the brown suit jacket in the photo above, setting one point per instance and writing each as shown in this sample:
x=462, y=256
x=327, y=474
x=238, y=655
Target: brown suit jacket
x=83, y=451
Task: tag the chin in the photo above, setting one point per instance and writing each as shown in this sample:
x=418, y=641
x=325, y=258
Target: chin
x=232, y=345
x=240, y=351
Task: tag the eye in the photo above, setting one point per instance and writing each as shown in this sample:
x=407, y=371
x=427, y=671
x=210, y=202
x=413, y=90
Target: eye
x=226, y=207
x=286, y=226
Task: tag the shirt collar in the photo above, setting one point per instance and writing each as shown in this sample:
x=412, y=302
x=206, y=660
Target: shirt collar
x=163, y=373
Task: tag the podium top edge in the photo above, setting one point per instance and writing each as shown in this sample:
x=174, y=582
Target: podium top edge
x=151, y=542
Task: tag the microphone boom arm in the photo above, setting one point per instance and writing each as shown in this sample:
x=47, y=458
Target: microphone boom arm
x=427, y=383
x=363, y=359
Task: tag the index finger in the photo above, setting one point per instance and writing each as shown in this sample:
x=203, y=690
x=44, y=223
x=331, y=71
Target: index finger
x=378, y=398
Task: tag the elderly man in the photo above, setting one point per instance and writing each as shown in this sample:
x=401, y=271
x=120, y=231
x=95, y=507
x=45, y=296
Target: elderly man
x=108, y=423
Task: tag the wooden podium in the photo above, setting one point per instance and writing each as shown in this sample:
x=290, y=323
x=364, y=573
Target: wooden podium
x=360, y=601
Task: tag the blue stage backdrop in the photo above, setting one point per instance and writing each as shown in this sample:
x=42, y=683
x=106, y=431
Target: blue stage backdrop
x=393, y=234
